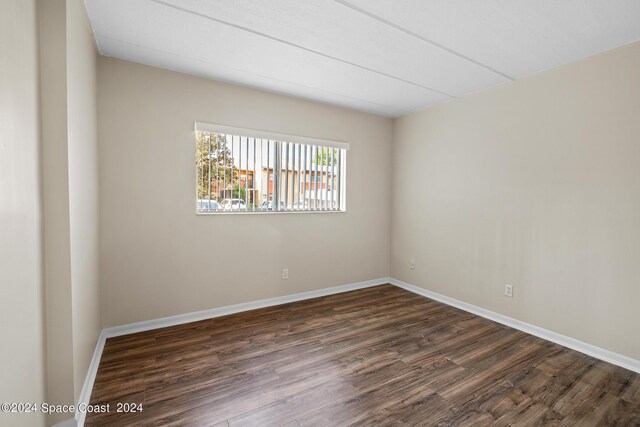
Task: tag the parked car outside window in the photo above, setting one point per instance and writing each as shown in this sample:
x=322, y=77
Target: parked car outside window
x=204, y=204
x=268, y=206
x=234, y=204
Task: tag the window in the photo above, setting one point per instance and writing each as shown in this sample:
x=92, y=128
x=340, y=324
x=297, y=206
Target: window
x=241, y=170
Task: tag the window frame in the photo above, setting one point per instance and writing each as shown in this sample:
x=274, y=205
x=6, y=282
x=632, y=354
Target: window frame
x=280, y=139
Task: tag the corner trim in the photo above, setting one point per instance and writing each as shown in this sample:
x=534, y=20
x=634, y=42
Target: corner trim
x=87, y=387
x=180, y=319
x=563, y=340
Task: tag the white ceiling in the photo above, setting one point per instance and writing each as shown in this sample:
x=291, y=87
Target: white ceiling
x=388, y=57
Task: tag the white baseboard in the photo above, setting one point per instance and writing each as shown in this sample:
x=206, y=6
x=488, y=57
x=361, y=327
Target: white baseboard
x=236, y=308
x=180, y=319
x=574, y=344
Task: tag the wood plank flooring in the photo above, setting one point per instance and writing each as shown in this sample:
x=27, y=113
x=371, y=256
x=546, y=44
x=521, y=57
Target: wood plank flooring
x=377, y=356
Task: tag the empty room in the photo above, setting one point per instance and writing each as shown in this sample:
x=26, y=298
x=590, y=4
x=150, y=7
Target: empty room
x=319, y=213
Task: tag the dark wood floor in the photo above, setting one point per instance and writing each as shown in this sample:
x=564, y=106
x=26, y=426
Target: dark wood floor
x=380, y=356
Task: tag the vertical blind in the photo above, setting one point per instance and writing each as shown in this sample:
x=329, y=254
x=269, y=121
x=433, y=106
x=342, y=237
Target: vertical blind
x=243, y=173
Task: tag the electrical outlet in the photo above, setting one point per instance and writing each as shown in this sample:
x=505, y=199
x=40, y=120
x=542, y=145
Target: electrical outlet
x=508, y=291
x=285, y=273
x=412, y=264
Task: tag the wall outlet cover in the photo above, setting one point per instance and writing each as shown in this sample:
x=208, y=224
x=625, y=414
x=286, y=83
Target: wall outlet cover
x=508, y=291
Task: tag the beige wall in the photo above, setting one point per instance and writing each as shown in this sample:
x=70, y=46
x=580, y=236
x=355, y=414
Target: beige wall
x=83, y=187
x=535, y=184
x=21, y=296
x=159, y=259
x=70, y=186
